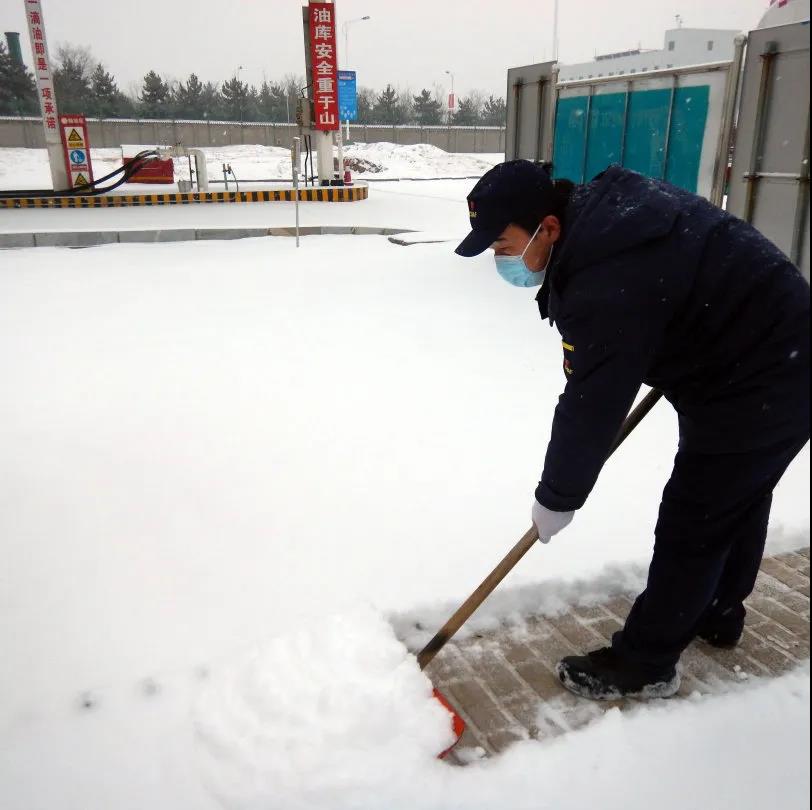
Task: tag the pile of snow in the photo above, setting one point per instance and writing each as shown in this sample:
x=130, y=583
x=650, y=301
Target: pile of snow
x=323, y=712
x=422, y=160
x=28, y=168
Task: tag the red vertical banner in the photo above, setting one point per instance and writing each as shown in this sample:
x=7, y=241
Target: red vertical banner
x=324, y=62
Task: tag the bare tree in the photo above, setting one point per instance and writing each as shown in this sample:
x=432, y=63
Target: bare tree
x=74, y=66
x=78, y=57
x=405, y=106
x=294, y=85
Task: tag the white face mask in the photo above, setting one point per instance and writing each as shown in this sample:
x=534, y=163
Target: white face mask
x=515, y=271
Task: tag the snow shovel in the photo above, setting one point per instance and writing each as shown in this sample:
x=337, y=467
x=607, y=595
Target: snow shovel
x=488, y=585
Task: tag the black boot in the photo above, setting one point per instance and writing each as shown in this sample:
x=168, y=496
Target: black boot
x=722, y=628
x=604, y=675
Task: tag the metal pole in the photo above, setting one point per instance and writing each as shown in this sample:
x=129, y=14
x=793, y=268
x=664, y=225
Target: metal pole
x=552, y=105
x=555, y=31
x=751, y=178
x=295, y=167
x=667, y=144
x=626, y=100
x=587, y=116
x=517, y=106
x=340, y=143
x=801, y=203
x=540, y=118
x=728, y=117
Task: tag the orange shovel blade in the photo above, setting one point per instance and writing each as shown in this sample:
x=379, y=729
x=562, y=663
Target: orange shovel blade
x=457, y=723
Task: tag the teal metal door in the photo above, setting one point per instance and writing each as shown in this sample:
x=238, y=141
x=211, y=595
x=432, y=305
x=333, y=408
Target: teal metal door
x=658, y=133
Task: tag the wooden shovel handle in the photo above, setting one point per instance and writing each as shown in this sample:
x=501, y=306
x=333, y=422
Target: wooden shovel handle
x=463, y=613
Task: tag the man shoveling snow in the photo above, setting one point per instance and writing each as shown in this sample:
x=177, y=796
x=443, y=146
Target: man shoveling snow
x=649, y=284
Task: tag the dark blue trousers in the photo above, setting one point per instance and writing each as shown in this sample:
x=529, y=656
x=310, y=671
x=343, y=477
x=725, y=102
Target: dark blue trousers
x=710, y=536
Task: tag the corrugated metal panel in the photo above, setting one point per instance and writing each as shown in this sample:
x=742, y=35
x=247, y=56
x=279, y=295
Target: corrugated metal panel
x=769, y=184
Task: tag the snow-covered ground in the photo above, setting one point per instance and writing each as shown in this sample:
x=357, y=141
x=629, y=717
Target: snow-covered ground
x=223, y=463
x=28, y=168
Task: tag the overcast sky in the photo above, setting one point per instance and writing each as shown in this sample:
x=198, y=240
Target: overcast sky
x=406, y=42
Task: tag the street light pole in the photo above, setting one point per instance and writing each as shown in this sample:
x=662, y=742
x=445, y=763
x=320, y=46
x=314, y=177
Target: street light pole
x=346, y=28
x=452, y=95
x=238, y=89
x=555, y=31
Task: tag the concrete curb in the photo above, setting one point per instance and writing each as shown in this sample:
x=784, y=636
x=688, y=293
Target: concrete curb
x=82, y=239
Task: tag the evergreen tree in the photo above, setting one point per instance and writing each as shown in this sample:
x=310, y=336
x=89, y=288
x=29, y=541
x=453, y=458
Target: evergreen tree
x=366, y=102
x=155, y=96
x=494, y=112
x=252, y=109
x=72, y=80
x=236, y=100
x=127, y=106
x=211, y=102
x=106, y=100
x=467, y=114
x=427, y=109
x=272, y=103
x=187, y=98
x=385, y=110
x=18, y=90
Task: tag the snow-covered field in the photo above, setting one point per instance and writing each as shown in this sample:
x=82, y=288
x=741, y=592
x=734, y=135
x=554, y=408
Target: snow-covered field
x=28, y=168
x=229, y=468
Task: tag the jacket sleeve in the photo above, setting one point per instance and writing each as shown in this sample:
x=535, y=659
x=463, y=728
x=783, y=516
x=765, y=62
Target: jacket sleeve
x=607, y=347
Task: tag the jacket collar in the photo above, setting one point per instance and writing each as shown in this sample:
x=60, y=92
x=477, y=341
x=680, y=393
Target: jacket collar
x=619, y=210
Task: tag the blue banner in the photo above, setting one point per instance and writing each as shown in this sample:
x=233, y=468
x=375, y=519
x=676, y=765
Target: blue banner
x=347, y=96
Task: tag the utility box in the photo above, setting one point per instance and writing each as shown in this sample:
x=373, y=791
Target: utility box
x=303, y=113
x=155, y=172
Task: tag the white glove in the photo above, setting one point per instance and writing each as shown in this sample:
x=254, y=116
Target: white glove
x=548, y=523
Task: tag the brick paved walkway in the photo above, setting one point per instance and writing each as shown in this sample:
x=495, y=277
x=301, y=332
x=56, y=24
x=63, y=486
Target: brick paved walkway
x=504, y=685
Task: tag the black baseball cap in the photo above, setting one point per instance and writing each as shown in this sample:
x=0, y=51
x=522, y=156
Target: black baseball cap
x=506, y=193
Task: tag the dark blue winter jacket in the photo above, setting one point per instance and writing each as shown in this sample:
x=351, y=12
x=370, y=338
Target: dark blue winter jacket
x=655, y=285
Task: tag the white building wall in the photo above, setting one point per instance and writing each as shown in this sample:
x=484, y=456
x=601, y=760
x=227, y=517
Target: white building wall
x=681, y=47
